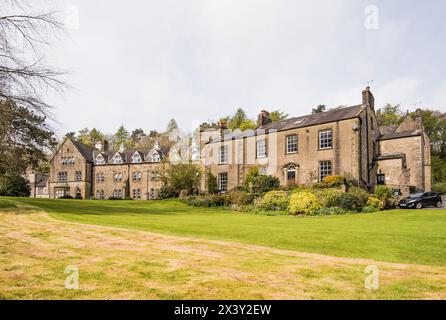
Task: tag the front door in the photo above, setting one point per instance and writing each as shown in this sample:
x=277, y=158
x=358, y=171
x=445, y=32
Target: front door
x=291, y=176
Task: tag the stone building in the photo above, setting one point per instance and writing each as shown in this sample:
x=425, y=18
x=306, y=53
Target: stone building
x=82, y=171
x=344, y=141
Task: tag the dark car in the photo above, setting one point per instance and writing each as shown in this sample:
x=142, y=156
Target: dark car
x=421, y=199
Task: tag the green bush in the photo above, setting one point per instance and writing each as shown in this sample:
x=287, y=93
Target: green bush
x=274, y=200
x=304, y=202
x=262, y=184
x=214, y=200
x=66, y=197
x=349, y=201
x=361, y=193
x=329, y=197
x=385, y=194
x=369, y=209
x=375, y=203
x=332, y=211
x=167, y=192
x=14, y=185
x=211, y=182
x=439, y=187
x=240, y=198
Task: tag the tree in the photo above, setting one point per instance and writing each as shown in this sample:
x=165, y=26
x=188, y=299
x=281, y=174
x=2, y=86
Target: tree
x=171, y=125
x=137, y=135
x=153, y=134
x=25, y=138
x=278, y=115
x=14, y=185
x=83, y=136
x=122, y=137
x=24, y=36
x=95, y=136
x=247, y=124
x=237, y=119
x=320, y=108
x=211, y=182
x=389, y=115
x=25, y=80
x=181, y=177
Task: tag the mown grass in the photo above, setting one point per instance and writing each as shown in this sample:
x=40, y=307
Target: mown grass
x=406, y=236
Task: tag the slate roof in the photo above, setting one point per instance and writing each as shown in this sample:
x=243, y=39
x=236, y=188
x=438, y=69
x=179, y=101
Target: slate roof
x=86, y=151
x=43, y=182
x=389, y=132
x=128, y=154
x=300, y=122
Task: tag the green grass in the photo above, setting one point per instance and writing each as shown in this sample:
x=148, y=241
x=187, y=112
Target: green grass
x=406, y=236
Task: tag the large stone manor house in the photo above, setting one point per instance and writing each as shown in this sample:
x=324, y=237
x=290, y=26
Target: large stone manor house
x=345, y=141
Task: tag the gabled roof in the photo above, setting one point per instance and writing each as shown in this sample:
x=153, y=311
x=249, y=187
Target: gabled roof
x=43, y=182
x=299, y=122
x=86, y=151
x=128, y=154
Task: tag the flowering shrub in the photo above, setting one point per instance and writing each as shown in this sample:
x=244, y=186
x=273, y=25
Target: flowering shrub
x=274, y=200
x=385, y=194
x=375, y=203
x=333, y=181
x=329, y=197
x=304, y=202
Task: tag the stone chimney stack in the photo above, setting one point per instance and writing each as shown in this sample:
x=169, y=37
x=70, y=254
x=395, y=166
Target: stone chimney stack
x=263, y=118
x=367, y=98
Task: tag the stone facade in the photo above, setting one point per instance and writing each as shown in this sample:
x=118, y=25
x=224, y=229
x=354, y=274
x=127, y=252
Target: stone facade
x=84, y=172
x=357, y=149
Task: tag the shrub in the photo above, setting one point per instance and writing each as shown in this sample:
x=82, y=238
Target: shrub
x=349, y=201
x=375, y=203
x=369, y=209
x=211, y=182
x=240, y=198
x=66, y=197
x=333, y=181
x=361, y=193
x=306, y=203
x=167, y=192
x=332, y=211
x=385, y=194
x=329, y=197
x=262, y=184
x=214, y=200
x=274, y=200
x=14, y=185
x=439, y=187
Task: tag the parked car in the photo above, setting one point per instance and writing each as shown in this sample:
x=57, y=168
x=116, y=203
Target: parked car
x=421, y=199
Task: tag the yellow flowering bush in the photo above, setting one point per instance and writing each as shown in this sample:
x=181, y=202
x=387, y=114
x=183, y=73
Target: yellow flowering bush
x=274, y=200
x=304, y=202
x=375, y=203
x=333, y=181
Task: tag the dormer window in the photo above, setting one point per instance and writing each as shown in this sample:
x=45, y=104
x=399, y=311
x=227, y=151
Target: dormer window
x=100, y=159
x=117, y=159
x=155, y=157
x=136, y=158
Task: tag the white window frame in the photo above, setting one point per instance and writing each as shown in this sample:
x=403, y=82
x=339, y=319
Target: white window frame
x=223, y=183
x=325, y=169
x=155, y=157
x=291, y=146
x=261, y=149
x=136, y=158
x=117, y=159
x=223, y=155
x=325, y=139
x=78, y=175
x=100, y=159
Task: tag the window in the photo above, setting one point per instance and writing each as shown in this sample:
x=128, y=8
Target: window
x=136, y=193
x=71, y=161
x=58, y=193
x=223, y=182
x=291, y=144
x=78, y=175
x=117, y=159
x=100, y=159
x=324, y=169
x=137, y=176
x=325, y=139
x=155, y=157
x=152, y=194
x=261, y=149
x=223, y=155
x=136, y=158
x=62, y=176
x=117, y=193
x=100, y=177
x=100, y=194
x=118, y=177
x=380, y=179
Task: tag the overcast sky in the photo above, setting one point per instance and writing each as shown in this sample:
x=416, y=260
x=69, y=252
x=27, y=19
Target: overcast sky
x=140, y=63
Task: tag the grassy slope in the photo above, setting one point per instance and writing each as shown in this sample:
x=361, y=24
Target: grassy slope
x=395, y=236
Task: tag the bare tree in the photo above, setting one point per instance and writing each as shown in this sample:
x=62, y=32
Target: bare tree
x=24, y=35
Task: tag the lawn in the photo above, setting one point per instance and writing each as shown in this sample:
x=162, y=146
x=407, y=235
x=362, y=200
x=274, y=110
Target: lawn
x=195, y=253
x=402, y=236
